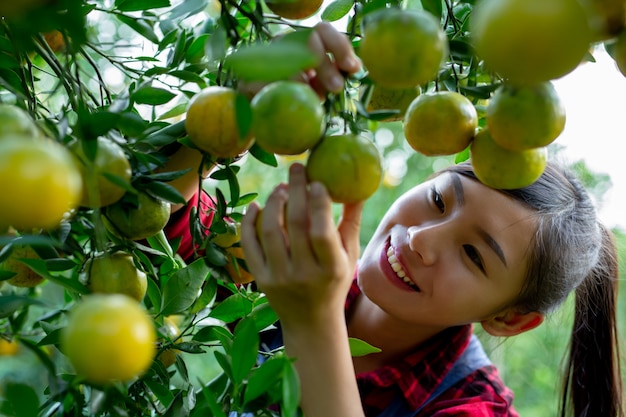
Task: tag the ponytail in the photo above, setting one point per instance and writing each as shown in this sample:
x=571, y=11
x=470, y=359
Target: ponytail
x=592, y=385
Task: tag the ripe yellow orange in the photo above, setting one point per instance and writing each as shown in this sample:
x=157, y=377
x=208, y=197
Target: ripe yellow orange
x=98, y=190
x=8, y=347
x=109, y=337
x=116, y=273
x=135, y=222
x=16, y=121
x=211, y=123
x=524, y=117
x=40, y=183
x=294, y=9
x=288, y=118
x=236, y=272
x=349, y=166
x=440, y=123
x=383, y=98
x=529, y=41
x=502, y=168
x=402, y=48
x=24, y=276
x=231, y=236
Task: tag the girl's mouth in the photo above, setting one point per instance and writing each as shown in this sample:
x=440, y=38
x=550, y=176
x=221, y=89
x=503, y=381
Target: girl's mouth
x=398, y=271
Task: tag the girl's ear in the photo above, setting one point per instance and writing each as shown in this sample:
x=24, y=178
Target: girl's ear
x=511, y=323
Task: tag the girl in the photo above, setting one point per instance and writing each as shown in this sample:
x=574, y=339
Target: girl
x=449, y=253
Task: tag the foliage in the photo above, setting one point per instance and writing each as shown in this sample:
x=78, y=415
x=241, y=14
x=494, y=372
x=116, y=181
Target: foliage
x=126, y=70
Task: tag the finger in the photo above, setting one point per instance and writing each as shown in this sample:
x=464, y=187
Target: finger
x=298, y=217
x=327, y=73
x=350, y=227
x=273, y=239
x=252, y=250
x=339, y=46
x=324, y=239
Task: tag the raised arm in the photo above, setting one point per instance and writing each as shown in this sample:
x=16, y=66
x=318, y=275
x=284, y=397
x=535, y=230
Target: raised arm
x=305, y=265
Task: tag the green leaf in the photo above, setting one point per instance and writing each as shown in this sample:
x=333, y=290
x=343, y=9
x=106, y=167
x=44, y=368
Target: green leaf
x=11, y=303
x=433, y=6
x=264, y=378
x=271, y=62
x=138, y=5
x=337, y=10
x=165, y=191
x=40, y=267
x=264, y=316
x=214, y=333
x=152, y=95
x=360, y=348
x=22, y=399
x=233, y=308
x=188, y=8
x=291, y=391
x=244, y=350
x=263, y=156
x=182, y=288
x=243, y=111
x=140, y=26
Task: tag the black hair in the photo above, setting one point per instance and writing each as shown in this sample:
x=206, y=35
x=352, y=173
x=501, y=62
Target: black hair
x=573, y=251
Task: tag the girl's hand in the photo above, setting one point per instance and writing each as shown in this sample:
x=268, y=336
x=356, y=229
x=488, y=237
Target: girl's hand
x=300, y=260
x=337, y=59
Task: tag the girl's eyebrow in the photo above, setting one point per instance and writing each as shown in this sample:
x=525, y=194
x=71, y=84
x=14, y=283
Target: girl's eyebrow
x=487, y=238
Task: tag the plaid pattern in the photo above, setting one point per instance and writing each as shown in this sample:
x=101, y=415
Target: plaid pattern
x=178, y=225
x=416, y=376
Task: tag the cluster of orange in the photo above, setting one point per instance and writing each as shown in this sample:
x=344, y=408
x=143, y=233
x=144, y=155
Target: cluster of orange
x=527, y=43
x=287, y=119
x=44, y=183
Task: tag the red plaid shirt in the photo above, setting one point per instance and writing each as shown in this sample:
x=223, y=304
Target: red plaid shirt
x=482, y=393
x=178, y=225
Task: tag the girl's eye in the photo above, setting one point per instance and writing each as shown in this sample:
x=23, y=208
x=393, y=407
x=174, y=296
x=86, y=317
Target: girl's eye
x=472, y=253
x=437, y=200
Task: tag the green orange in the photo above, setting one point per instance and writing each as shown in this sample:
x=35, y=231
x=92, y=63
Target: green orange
x=349, y=166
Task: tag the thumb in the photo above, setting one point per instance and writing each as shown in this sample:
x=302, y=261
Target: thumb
x=349, y=228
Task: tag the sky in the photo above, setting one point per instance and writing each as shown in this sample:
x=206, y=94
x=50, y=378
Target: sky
x=594, y=95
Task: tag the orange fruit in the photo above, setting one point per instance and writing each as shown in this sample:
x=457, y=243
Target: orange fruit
x=8, y=347
x=40, y=183
x=349, y=166
x=501, y=168
x=231, y=236
x=236, y=272
x=440, y=123
x=55, y=41
x=141, y=220
x=402, y=48
x=109, y=337
x=530, y=41
x=294, y=9
x=211, y=123
x=384, y=98
x=116, y=274
x=288, y=118
x=110, y=159
x=170, y=332
x=16, y=121
x=24, y=276
x=606, y=18
x=524, y=117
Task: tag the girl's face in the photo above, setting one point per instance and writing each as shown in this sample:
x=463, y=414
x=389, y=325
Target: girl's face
x=451, y=251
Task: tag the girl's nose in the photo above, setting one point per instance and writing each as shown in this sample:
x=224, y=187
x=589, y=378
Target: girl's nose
x=424, y=241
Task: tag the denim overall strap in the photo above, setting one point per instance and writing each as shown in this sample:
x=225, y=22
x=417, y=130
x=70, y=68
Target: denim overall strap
x=471, y=359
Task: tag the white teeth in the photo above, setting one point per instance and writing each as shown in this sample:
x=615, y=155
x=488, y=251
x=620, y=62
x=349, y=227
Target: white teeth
x=395, y=265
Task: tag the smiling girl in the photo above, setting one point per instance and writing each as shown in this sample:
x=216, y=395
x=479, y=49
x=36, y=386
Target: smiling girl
x=449, y=254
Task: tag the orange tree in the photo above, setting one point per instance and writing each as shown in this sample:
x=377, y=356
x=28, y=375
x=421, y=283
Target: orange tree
x=128, y=71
